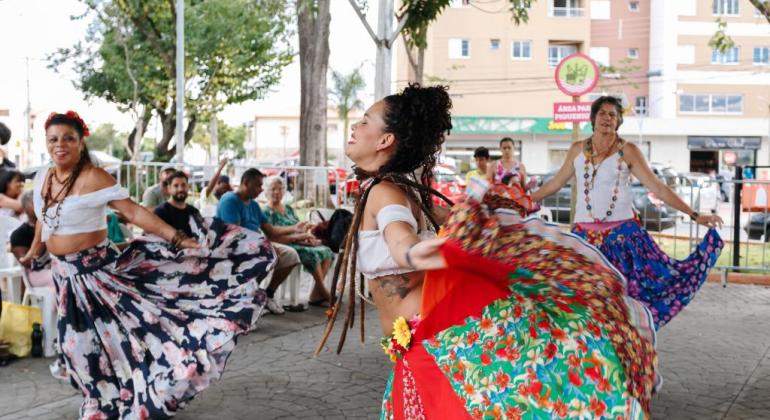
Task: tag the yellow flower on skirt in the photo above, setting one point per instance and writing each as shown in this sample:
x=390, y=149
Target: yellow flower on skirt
x=401, y=332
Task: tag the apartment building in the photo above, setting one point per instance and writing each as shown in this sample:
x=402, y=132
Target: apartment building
x=688, y=106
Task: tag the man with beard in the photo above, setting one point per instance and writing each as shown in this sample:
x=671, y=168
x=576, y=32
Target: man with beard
x=176, y=212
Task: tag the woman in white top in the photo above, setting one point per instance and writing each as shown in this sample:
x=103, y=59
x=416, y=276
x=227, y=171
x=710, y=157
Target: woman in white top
x=142, y=330
x=602, y=166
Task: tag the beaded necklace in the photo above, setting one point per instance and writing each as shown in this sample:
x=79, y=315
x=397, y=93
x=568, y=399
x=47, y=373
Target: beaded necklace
x=588, y=180
x=53, y=222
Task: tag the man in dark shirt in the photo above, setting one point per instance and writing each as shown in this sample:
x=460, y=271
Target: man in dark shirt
x=176, y=212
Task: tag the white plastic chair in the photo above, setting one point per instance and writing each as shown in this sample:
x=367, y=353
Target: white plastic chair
x=45, y=299
x=10, y=275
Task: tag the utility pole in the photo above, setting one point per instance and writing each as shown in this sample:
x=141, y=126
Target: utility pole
x=383, y=39
x=180, y=83
x=28, y=121
x=214, y=149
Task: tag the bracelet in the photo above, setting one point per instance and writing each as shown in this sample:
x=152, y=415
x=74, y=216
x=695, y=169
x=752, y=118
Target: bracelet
x=694, y=215
x=179, y=237
x=409, y=258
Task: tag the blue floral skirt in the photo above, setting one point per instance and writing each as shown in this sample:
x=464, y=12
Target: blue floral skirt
x=143, y=330
x=662, y=283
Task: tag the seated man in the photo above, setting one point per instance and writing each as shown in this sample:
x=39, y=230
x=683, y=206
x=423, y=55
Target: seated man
x=39, y=275
x=176, y=212
x=239, y=208
x=157, y=194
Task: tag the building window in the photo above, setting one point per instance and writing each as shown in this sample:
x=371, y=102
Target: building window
x=725, y=7
x=521, y=50
x=459, y=3
x=711, y=103
x=494, y=44
x=556, y=53
x=640, y=105
x=761, y=55
x=565, y=8
x=633, y=6
x=459, y=48
x=633, y=53
x=730, y=56
x=601, y=55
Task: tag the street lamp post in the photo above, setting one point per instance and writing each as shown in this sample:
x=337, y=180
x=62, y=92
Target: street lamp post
x=180, y=82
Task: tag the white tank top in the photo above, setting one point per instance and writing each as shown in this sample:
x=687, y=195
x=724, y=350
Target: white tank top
x=602, y=192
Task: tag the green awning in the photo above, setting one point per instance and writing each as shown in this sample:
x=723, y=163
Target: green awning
x=513, y=125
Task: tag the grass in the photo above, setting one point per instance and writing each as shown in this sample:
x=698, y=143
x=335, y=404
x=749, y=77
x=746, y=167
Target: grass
x=753, y=254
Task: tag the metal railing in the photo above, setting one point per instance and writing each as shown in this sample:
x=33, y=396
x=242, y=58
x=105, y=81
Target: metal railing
x=313, y=186
x=565, y=12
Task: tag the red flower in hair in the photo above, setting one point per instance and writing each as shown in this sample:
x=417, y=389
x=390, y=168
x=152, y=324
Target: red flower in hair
x=73, y=115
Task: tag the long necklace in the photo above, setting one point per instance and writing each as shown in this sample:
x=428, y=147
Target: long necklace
x=53, y=222
x=588, y=180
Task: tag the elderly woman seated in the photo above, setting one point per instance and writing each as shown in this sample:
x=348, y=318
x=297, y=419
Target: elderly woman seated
x=315, y=257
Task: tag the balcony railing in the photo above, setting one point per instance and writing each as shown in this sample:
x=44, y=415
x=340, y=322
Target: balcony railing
x=566, y=11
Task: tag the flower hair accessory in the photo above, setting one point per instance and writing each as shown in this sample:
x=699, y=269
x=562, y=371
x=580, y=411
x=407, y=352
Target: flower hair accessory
x=72, y=115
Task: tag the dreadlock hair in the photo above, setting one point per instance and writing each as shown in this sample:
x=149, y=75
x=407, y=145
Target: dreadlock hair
x=71, y=119
x=419, y=118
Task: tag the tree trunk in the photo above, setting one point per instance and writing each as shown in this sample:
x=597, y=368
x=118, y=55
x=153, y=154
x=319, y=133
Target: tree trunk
x=134, y=144
x=313, y=29
x=416, y=64
x=168, y=125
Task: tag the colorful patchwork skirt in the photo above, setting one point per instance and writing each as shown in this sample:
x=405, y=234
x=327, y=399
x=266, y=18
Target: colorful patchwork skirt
x=143, y=330
x=525, y=322
x=662, y=283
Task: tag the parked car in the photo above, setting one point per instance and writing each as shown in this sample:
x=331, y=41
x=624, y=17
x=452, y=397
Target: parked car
x=700, y=191
x=445, y=181
x=758, y=226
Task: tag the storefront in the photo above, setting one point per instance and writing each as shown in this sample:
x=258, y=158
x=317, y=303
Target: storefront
x=539, y=143
x=712, y=154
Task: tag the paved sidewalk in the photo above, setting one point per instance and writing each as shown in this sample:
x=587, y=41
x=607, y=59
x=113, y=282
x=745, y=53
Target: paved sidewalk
x=715, y=359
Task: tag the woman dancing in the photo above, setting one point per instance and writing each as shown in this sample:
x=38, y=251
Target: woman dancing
x=498, y=317
x=605, y=217
x=143, y=330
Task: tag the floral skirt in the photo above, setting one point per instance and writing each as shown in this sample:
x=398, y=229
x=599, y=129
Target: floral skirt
x=525, y=322
x=144, y=330
x=662, y=283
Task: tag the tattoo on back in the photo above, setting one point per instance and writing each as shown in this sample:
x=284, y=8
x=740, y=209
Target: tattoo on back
x=397, y=285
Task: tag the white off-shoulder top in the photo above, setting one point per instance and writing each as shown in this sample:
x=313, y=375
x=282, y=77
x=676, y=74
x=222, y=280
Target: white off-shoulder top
x=79, y=213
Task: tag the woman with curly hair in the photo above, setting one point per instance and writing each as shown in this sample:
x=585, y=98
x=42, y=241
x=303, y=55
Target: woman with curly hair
x=497, y=317
x=145, y=329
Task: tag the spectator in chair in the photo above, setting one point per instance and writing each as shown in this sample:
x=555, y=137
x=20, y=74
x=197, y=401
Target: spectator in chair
x=11, y=187
x=316, y=258
x=157, y=194
x=176, y=212
x=38, y=273
x=239, y=208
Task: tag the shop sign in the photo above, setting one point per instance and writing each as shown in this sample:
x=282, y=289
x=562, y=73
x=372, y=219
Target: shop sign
x=571, y=111
x=740, y=143
x=506, y=126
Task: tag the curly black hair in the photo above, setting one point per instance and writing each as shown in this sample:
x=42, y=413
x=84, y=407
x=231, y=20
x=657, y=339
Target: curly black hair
x=419, y=118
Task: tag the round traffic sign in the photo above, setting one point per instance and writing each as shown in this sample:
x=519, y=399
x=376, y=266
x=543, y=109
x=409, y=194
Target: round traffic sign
x=576, y=74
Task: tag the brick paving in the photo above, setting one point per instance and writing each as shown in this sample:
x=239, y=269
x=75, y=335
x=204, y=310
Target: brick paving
x=715, y=360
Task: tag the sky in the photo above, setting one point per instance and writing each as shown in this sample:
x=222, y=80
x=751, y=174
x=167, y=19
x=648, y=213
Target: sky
x=36, y=28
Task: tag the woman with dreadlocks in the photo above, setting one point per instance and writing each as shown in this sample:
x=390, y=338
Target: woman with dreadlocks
x=143, y=330
x=497, y=317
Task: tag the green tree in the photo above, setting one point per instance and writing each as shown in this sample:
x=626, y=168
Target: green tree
x=721, y=41
x=231, y=139
x=107, y=139
x=140, y=36
x=345, y=92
